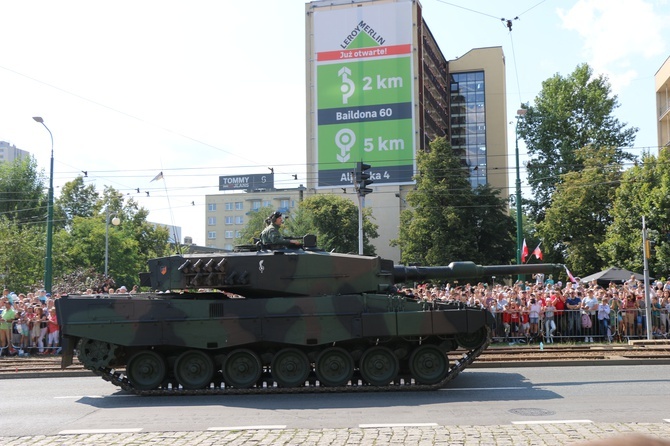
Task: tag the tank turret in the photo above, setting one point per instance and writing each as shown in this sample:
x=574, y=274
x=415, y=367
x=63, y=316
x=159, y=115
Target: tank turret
x=259, y=273
x=272, y=320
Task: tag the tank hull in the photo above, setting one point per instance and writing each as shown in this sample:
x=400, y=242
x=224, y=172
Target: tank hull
x=108, y=332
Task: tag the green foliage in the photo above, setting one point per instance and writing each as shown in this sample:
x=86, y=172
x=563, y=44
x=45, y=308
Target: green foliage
x=22, y=250
x=300, y=223
x=334, y=220
x=254, y=227
x=569, y=113
x=130, y=244
x=75, y=200
x=449, y=220
x=22, y=194
x=644, y=191
x=578, y=218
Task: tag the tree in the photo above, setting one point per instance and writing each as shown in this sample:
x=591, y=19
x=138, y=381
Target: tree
x=577, y=220
x=75, y=200
x=569, y=113
x=22, y=196
x=254, y=227
x=300, y=223
x=22, y=250
x=130, y=245
x=449, y=220
x=334, y=220
x=644, y=191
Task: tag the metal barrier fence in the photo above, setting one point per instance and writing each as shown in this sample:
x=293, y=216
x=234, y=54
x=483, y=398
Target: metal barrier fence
x=564, y=326
x=580, y=326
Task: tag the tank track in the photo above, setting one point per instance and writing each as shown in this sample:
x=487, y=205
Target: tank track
x=120, y=380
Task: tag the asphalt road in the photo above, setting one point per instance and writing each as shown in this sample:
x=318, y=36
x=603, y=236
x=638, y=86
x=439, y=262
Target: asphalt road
x=570, y=397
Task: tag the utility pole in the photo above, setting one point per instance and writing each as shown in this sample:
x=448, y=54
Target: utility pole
x=646, y=254
x=519, y=217
x=362, y=181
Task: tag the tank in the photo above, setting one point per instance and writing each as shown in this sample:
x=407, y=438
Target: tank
x=278, y=320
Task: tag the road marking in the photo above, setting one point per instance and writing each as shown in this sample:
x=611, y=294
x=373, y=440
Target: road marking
x=553, y=422
x=76, y=397
x=373, y=426
x=488, y=388
x=248, y=428
x=99, y=431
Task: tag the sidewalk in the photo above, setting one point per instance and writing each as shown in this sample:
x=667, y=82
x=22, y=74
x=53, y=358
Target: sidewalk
x=529, y=434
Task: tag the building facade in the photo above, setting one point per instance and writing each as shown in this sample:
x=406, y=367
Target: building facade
x=9, y=152
x=379, y=89
x=662, y=81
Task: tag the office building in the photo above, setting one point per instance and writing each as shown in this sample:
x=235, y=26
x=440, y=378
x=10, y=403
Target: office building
x=662, y=80
x=9, y=152
x=379, y=89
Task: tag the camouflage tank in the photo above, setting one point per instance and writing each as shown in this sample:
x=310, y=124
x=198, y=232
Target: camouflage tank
x=278, y=320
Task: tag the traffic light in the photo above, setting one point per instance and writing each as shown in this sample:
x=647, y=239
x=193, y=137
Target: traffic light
x=363, y=179
x=650, y=248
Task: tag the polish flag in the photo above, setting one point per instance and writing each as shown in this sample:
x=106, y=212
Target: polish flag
x=524, y=252
x=570, y=276
x=537, y=252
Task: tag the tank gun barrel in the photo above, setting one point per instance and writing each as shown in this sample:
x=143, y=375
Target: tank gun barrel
x=467, y=270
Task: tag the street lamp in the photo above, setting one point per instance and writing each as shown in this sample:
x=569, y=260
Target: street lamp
x=519, y=223
x=48, y=271
x=115, y=221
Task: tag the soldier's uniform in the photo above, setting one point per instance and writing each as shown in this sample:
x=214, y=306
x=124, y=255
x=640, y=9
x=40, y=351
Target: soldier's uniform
x=270, y=237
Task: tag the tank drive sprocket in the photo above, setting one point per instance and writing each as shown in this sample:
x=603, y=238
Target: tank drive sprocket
x=94, y=354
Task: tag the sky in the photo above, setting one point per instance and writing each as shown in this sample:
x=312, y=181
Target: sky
x=206, y=88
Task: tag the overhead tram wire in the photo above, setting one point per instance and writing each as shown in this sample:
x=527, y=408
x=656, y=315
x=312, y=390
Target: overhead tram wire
x=128, y=115
x=468, y=9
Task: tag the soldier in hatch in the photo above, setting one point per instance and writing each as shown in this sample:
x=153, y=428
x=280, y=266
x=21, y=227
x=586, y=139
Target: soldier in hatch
x=270, y=236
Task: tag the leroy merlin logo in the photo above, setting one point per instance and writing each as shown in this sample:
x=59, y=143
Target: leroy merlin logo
x=362, y=36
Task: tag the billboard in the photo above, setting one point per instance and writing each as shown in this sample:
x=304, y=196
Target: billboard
x=363, y=80
x=249, y=182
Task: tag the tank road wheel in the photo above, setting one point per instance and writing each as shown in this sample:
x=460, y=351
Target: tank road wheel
x=146, y=370
x=428, y=364
x=95, y=354
x=194, y=369
x=241, y=369
x=334, y=367
x=290, y=367
x=470, y=341
x=379, y=366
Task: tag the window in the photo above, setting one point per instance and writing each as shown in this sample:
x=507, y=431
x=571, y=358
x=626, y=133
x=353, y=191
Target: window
x=211, y=207
x=239, y=220
x=211, y=235
x=228, y=246
x=267, y=203
x=284, y=204
x=229, y=206
x=239, y=206
x=238, y=234
x=229, y=234
x=229, y=220
x=255, y=205
x=211, y=221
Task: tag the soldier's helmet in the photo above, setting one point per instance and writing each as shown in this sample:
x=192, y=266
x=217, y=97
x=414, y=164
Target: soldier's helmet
x=274, y=216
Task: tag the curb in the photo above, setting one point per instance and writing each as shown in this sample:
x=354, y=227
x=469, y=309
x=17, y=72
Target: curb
x=475, y=365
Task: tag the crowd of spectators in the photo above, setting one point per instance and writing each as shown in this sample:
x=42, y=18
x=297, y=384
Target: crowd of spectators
x=29, y=324
x=543, y=310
